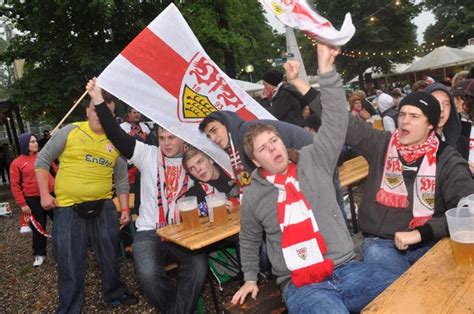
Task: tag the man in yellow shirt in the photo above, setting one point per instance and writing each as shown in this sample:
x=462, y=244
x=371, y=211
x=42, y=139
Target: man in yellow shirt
x=83, y=209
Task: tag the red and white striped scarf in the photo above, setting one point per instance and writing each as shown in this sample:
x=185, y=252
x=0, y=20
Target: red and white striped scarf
x=393, y=191
x=302, y=244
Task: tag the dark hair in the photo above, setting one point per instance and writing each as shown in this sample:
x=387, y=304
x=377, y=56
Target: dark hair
x=108, y=97
x=419, y=86
x=208, y=119
x=395, y=94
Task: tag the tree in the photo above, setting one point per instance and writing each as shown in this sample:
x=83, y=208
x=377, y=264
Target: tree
x=390, y=30
x=454, y=22
x=67, y=42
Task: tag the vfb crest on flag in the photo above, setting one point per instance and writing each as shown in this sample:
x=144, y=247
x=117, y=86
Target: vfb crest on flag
x=204, y=91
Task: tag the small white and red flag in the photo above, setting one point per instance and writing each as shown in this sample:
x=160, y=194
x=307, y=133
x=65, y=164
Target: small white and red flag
x=298, y=14
x=166, y=74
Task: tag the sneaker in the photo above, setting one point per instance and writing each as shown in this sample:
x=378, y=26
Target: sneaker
x=126, y=299
x=25, y=229
x=39, y=259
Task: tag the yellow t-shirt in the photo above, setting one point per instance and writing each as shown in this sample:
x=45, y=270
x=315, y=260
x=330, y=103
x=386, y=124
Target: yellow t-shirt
x=85, y=167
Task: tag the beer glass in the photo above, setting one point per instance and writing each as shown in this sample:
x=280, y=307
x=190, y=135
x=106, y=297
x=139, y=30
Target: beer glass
x=461, y=230
x=188, y=209
x=216, y=204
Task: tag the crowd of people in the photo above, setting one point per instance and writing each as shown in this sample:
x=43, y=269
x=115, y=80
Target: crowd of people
x=284, y=182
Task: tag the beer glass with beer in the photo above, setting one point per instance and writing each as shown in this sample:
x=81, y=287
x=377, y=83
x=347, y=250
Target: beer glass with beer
x=187, y=206
x=378, y=123
x=216, y=204
x=461, y=230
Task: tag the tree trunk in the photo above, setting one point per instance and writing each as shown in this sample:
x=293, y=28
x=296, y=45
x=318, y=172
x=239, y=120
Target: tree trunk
x=229, y=58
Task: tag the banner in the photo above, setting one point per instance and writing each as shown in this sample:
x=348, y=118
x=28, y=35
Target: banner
x=166, y=74
x=299, y=15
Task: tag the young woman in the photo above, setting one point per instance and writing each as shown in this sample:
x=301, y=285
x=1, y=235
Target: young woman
x=25, y=190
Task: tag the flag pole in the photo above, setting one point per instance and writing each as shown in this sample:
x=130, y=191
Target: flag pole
x=69, y=112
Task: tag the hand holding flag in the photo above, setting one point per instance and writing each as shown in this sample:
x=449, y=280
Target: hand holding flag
x=299, y=15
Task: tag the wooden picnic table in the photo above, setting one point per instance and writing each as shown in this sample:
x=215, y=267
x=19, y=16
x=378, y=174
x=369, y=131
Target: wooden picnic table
x=351, y=172
x=434, y=284
x=206, y=234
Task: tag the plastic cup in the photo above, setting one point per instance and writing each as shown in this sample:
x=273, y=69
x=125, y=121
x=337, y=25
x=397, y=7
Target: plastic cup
x=216, y=204
x=467, y=201
x=188, y=209
x=461, y=229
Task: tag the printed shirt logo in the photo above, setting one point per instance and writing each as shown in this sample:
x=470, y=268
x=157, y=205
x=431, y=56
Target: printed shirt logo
x=302, y=253
x=426, y=190
x=204, y=90
x=109, y=147
x=393, y=176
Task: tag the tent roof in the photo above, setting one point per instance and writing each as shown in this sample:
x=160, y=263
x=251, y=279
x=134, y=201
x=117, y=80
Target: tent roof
x=248, y=86
x=441, y=57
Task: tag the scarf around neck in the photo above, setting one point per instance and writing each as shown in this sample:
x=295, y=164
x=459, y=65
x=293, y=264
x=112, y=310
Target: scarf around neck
x=393, y=191
x=302, y=244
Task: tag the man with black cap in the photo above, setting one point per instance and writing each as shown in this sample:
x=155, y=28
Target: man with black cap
x=414, y=177
x=286, y=101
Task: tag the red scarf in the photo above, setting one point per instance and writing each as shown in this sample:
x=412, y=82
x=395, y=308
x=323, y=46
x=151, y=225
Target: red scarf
x=393, y=192
x=302, y=244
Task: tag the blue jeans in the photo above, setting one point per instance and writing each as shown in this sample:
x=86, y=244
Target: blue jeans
x=151, y=255
x=351, y=287
x=383, y=252
x=71, y=237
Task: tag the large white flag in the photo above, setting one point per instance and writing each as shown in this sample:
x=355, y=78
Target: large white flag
x=299, y=15
x=166, y=74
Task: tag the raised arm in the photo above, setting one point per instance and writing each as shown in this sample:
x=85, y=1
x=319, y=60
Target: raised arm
x=124, y=142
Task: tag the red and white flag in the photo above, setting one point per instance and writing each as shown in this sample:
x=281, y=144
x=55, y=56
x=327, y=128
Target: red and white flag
x=299, y=15
x=166, y=74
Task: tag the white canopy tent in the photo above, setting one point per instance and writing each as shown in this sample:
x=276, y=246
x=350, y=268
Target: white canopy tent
x=248, y=86
x=441, y=57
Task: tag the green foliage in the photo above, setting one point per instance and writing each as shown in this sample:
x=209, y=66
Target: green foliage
x=67, y=42
x=392, y=30
x=454, y=22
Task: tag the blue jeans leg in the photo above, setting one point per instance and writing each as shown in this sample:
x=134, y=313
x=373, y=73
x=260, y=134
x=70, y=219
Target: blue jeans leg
x=320, y=297
x=149, y=254
x=103, y=232
x=383, y=252
x=192, y=272
x=351, y=287
x=360, y=282
x=70, y=241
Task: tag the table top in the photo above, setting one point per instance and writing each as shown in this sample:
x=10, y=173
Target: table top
x=434, y=284
x=353, y=170
x=206, y=234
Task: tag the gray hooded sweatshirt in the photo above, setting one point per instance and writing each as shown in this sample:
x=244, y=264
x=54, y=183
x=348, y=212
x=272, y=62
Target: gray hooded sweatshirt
x=315, y=170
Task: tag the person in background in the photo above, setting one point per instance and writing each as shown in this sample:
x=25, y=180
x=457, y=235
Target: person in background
x=367, y=104
x=286, y=101
x=449, y=126
x=26, y=193
x=357, y=108
x=419, y=86
x=464, y=98
x=306, y=112
x=388, y=112
x=45, y=139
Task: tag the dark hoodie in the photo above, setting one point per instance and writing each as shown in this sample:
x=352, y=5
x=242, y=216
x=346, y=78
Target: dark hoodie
x=452, y=129
x=24, y=141
x=293, y=136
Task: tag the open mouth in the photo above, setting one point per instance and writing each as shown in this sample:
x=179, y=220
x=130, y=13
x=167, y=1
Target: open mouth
x=404, y=132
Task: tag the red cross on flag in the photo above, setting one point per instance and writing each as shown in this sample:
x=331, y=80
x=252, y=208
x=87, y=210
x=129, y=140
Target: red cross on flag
x=166, y=74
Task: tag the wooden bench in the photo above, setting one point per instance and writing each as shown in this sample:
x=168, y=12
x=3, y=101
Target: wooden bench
x=351, y=172
x=269, y=300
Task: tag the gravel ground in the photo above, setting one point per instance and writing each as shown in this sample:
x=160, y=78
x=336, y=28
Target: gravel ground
x=25, y=289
